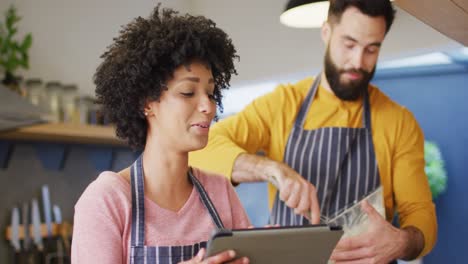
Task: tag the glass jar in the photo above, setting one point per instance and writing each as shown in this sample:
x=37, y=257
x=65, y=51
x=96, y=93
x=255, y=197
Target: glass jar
x=69, y=93
x=35, y=92
x=96, y=116
x=54, y=101
x=83, y=106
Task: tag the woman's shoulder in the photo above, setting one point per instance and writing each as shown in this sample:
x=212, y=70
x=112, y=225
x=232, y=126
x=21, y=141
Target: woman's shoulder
x=210, y=180
x=108, y=186
x=224, y=197
x=103, y=210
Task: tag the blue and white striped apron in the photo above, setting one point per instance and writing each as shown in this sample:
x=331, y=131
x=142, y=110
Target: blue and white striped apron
x=140, y=253
x=339, y=161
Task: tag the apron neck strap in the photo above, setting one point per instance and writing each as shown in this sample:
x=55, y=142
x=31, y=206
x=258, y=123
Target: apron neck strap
x=300, y=119
x=366, y=119
x=206, y=201
x=138, y=202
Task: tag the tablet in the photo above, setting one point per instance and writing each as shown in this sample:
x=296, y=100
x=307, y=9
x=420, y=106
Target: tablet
x=292, y=244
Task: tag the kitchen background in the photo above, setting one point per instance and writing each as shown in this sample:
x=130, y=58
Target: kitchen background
x=69, y=36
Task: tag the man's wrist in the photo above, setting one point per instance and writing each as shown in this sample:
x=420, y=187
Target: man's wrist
x=413, y=243
x=261, y=167
x=249, y=168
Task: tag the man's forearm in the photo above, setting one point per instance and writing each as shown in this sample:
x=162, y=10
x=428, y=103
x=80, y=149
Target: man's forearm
x=249, y=168
x=415, y=243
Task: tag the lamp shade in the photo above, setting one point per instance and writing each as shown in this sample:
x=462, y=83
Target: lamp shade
x=305, y=13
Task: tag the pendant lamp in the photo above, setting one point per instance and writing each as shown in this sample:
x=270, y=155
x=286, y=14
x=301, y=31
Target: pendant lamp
x=305, y=13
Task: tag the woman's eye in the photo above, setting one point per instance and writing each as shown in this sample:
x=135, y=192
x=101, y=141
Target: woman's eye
x=212, y=97
x=187, y=94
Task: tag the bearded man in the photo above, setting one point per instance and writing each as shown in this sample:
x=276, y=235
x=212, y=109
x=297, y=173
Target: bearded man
x=332, y=140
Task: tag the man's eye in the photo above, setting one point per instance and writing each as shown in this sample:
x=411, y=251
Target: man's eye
x=348, y=43
x=372, y=50
x=187, y=94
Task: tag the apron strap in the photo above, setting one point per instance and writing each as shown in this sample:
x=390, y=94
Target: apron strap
x=300, y=119
x=366, y=119
x=138, y=203
x=206, y=201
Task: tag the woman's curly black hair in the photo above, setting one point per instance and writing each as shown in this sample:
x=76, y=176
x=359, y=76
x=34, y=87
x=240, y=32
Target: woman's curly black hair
x=143, y=58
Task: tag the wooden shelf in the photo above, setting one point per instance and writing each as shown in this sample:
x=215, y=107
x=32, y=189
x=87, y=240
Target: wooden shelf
x=65, y=133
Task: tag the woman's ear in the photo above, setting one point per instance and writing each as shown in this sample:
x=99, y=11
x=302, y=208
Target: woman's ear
x=148, y=109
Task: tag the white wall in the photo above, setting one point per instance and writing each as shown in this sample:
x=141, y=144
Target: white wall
x=69, y=36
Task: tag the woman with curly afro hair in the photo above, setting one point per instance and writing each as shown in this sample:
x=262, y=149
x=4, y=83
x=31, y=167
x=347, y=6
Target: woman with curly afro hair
x=160, y=83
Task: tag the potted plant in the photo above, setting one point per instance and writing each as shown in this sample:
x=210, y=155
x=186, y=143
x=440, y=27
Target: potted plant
x=13, y=53
x=435, y=169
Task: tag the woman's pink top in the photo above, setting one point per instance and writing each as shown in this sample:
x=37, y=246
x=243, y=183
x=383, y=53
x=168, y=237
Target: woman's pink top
x=102, y=224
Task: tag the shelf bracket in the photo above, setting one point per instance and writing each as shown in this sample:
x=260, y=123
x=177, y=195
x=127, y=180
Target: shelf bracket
x=6, y=149
x=101, y=157
x=51, y=155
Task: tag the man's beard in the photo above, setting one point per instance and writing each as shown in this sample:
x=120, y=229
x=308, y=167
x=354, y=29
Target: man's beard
x=352, y=90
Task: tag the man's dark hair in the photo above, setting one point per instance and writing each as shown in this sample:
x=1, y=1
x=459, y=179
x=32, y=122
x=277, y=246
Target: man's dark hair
x=143, y=58
x=373, y=8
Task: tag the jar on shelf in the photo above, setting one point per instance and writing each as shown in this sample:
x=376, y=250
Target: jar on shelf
x=69, y=94
x=83, y=105
x=54, y=100
x=96, y=116
x=35, y=92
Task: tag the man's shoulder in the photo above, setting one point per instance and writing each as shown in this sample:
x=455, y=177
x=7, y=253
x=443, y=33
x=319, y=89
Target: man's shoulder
x=378, y=99
x=382, y=104
x=301, y=86
x=293, y=92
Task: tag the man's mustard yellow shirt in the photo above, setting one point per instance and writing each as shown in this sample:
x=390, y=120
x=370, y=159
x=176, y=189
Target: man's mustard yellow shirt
x=266, y=123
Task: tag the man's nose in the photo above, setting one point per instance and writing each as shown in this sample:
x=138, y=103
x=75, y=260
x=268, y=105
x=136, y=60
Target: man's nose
x=358, y=59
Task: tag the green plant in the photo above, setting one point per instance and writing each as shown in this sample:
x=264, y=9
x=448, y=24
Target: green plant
x=435, y=169
x=13, y=53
